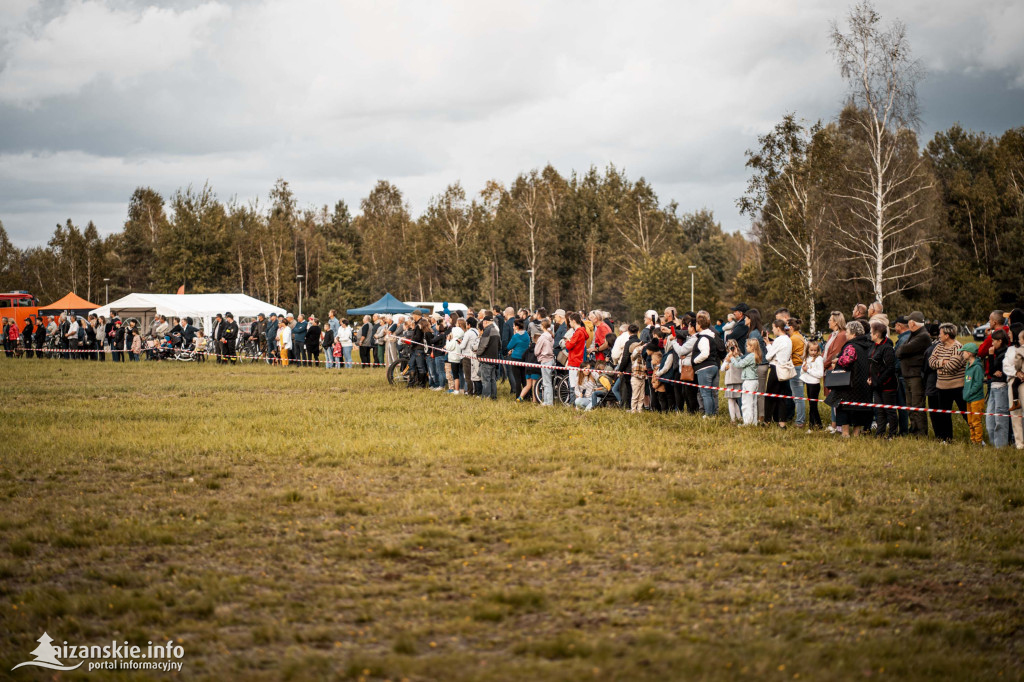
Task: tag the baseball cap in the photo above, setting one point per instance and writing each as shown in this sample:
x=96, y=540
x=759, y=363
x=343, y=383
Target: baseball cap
x=916, y=316
x=559, y=312
x=971, y=348
x=902, y=319
x=742, y=307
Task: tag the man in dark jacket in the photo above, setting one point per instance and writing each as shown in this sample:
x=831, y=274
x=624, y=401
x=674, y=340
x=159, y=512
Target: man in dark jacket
x=218, y=343
x=188, y=332
x=560, y=327
x=912, y=360
x=739, y=330
x=228, y=336
x=489, y=347
x=622, y=382
x=270, y=334
x=882, y=379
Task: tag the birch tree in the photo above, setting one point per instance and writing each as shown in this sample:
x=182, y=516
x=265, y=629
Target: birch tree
x=887, y=188
x=786, y=201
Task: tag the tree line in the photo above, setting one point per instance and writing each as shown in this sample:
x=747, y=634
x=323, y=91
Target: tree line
x=844, y=211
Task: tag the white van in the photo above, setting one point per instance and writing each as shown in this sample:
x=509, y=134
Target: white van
x=438, y=307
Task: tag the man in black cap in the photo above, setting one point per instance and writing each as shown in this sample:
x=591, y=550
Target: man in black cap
x=228, y=336
x=903, y=333
x=740, y=330
x=218, y=325
x=911, y=356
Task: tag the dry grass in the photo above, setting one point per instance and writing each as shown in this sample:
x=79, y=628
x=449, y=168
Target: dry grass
x=300, y=524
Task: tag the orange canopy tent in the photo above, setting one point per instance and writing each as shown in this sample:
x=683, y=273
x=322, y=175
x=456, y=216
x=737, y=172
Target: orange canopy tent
x=70, y=303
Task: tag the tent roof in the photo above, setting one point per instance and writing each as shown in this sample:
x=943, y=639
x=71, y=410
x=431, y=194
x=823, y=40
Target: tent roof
x=386, y=304
x=194, y=305
x=70, y=302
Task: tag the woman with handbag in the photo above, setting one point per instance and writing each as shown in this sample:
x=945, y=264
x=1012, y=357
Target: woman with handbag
x=836, y=340
x=848, y=382
x=780, y=371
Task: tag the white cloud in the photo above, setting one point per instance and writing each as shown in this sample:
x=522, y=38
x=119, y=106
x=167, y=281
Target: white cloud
x=92, y=40
x=333, y=95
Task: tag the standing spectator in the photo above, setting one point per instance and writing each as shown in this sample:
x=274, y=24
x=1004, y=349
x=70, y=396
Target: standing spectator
x=948, y=362
x=489, y=347
x=638, y=378
x=755, y=331
x=733, y=381
x=781, y=370
x=451, y=345
x=229, y=335
x=327, y=339
x=998, y=426
x=575, y=346
x=133, y=340
x=860, y=314
x=515, y=349
x=902, y=334
x=796, y=384
x=623, y=387
x=72, y=336
x=560, y=328
x=284, y=343
x=996, y=322
x=470, y=365
x=544, y=349
x=40, y=337
x=974, y=392
x=299, y=339
x=365, y=342
x=706, y=357
x=312, y=352
x=855, y=358
x=911, y=355
x=812, y=373
x=882, y=379
x=740, y=328
x=748, y=373
x=271, y=335
x=602, y=344
x=26, y=337
x=875, y=314
x=380, y=331
x=90, y=337
x=345, y=338
x=218, y=328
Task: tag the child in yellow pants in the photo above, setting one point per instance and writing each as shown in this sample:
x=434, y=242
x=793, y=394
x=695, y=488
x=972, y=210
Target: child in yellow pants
x=974, y=393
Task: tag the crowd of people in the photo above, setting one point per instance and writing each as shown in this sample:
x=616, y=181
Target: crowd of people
x=766, y=373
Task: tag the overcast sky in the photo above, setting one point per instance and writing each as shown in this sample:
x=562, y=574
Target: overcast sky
x=98, y=97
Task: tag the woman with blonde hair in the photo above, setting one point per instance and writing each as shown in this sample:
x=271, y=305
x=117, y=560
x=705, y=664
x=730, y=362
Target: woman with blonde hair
x=836, y=340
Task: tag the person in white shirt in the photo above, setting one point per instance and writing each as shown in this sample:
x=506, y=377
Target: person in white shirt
x=72, y=337
x=345, y=337
x=620, y=344
x=780, y=371
x=811, y=374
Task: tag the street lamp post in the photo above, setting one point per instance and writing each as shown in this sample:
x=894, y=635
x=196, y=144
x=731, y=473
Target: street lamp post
x=106, y=291
x=692, y=268
x=531, y=288
x=300, y=278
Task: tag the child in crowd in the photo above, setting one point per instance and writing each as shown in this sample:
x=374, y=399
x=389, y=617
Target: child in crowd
x=748, y=373
x=974, y=392
x=199, y=346
x=812, y=373
x=585, y=389
x=638, y=377
x=733, y=380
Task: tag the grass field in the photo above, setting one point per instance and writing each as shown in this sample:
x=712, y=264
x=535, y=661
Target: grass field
x=299, y=524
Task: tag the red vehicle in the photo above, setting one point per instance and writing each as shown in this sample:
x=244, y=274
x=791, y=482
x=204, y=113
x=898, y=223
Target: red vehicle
x=20, y=305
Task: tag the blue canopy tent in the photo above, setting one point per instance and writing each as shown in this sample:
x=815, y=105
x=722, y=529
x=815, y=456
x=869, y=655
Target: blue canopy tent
x=387, y=304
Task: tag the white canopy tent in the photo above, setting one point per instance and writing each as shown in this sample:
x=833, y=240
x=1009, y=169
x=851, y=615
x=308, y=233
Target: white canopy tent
x=200, y=307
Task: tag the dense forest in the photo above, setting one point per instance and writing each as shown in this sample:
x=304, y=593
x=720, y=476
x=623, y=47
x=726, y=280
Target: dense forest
x=844, y=211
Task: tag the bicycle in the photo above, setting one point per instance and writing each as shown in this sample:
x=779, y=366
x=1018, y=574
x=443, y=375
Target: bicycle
x=398, y=372
x=250, y=351
x=560, y=386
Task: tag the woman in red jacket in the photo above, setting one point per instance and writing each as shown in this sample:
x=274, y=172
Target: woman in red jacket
x=575, y=346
